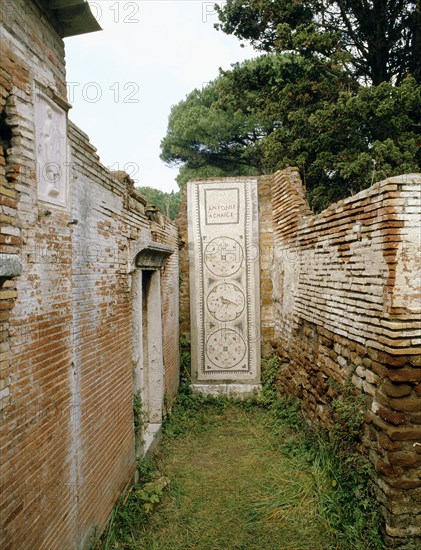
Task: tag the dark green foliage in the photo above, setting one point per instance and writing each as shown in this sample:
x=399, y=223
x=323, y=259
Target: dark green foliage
x=303, y=104
x=137, y=413
x=270, y=373
x=364, y=137
x=377, y=40
x=211, y=141
x=349, y=411
x=185, y=370
x=167, y=203
x=288, y=110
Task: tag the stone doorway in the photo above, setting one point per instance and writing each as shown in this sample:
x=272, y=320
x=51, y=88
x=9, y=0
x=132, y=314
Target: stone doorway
x=148, y=365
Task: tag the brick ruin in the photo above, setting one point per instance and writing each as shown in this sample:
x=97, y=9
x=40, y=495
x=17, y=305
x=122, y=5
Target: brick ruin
x=346, y=304
x=340, y=301
x=84, y=265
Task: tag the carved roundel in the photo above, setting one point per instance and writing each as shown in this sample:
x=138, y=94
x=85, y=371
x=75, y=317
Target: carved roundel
x=225, y=302
x=224, y=256
x=225, y=348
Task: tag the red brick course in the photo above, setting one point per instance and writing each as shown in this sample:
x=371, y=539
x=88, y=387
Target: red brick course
x=346, y=296
x=67, y=446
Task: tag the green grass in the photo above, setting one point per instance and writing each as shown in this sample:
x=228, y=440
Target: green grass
x=243, y=476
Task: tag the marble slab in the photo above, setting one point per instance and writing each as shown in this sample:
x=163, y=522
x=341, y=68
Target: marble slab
x=224, y=280
x=51, y=150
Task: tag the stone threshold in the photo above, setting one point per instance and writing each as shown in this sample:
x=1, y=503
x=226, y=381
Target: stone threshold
x=228, y=389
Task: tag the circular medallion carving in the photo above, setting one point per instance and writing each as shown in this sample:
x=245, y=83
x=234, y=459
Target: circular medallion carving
x=225, y=302
x=225, y=348
x=223, y=256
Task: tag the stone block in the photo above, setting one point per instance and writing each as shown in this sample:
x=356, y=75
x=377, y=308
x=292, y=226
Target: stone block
x=388, y=445
x=224, y=281
x=404, y=375
x=386, y=469
x=372, y=378
x=10, y=266
x=228, y=390
x=396, y=390
x=414, y=417
x=415, y=360
x=405, y=483
x=356, y=380
x=411, y=460
x=406, y=404
x=391, y=416
x=404, y=434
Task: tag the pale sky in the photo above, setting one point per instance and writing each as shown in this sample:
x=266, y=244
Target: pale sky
x=123, y=80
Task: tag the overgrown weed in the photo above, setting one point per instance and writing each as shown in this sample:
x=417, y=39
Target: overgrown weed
x=343, y=475
x=132, y=510
x=291, y=486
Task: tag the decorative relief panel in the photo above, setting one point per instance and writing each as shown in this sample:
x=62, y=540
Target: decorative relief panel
x=224, y=280
x=51, y=150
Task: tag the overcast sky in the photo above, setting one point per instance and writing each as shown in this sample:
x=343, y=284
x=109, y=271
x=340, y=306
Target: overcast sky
x=123, y=80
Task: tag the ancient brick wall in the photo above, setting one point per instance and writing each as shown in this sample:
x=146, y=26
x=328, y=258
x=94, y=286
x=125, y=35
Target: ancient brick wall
x=346, y=293
x=164, y=231
x=265, y=255
x=21, y=24
x=29, y=378
x=181, y=222
x=67, y=445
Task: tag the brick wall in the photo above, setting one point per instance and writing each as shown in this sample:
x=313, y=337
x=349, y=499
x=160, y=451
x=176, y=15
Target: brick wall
x=67, y=446
x=182, y=225
x=346, y=293
x=164, y=231
x=28, y=377
x=340, y=303
x=265, y=255
x=18, y=22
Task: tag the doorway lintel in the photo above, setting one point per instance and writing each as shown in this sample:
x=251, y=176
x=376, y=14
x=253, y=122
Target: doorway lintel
x=153, y=256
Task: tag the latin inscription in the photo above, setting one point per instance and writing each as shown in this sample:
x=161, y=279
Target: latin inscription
x=221, y=208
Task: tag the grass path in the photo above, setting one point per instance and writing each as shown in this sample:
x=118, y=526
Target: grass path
x=236, y=481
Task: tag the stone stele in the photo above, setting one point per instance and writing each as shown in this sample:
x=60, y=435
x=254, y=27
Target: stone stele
x=224, y=284
x=51, y=149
